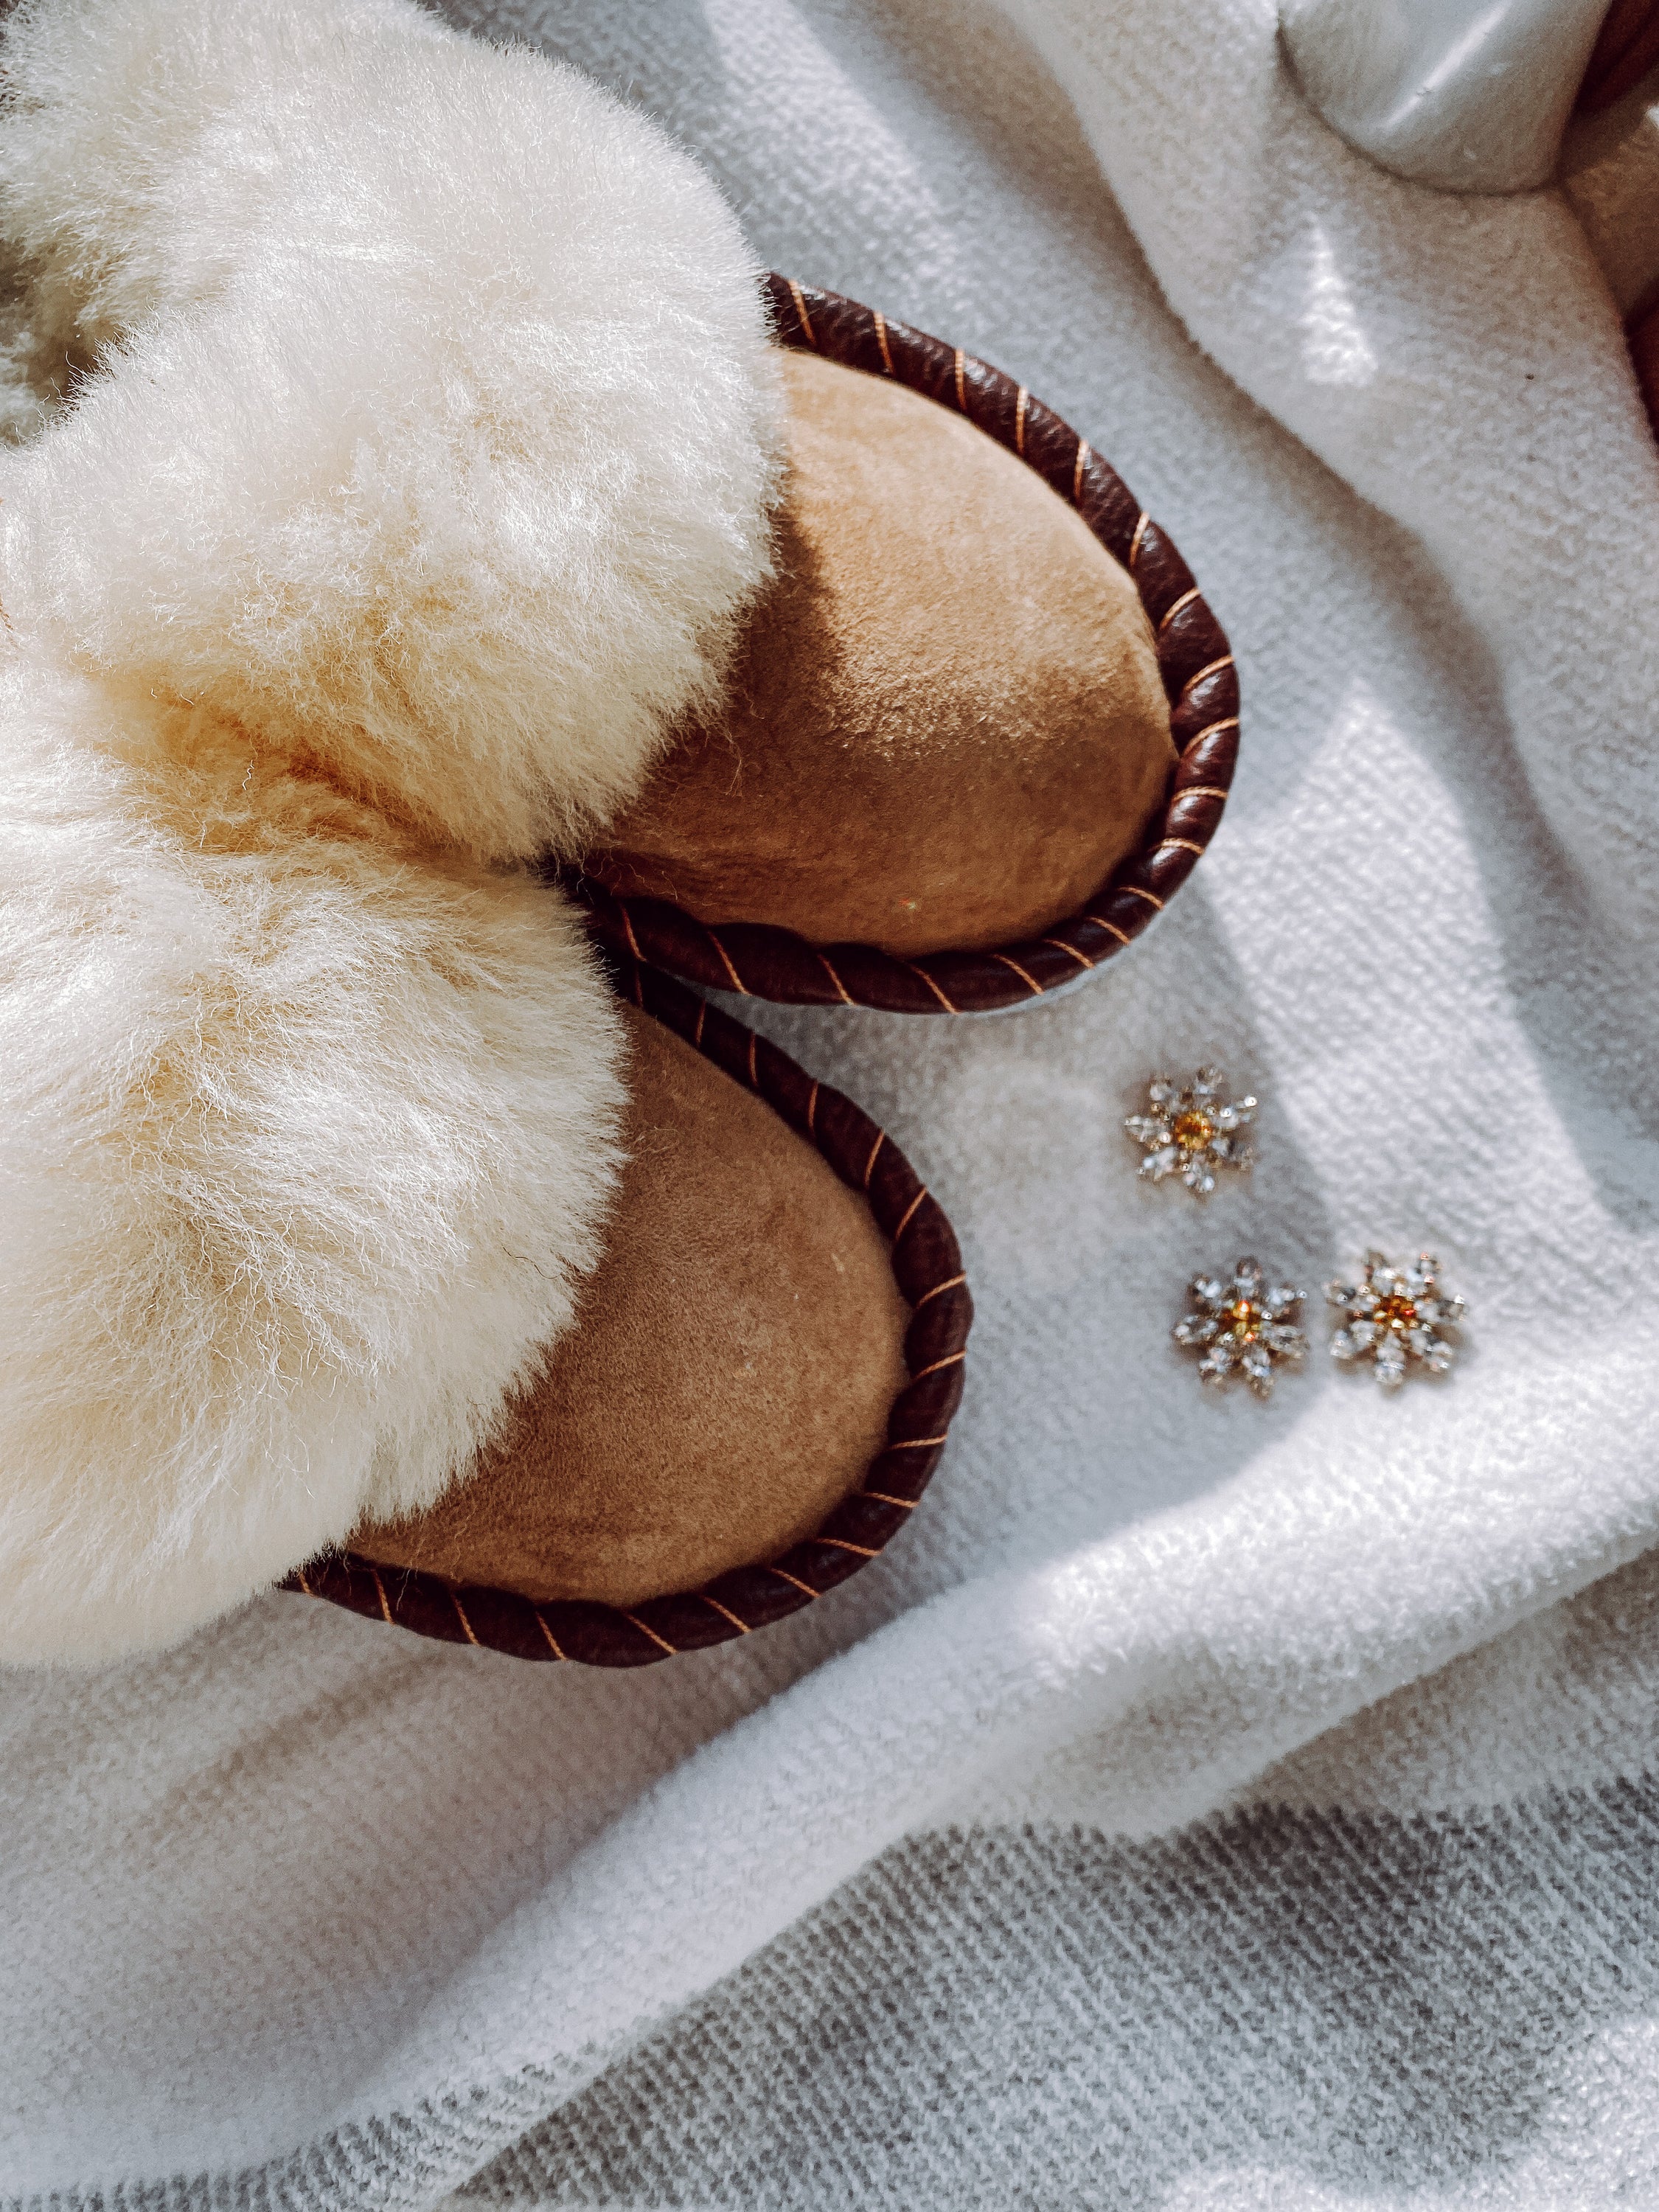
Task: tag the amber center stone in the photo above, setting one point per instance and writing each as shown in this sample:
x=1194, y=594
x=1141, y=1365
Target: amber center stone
x=1394, y=1312
x=1244, y=1320
x=1192, y=1130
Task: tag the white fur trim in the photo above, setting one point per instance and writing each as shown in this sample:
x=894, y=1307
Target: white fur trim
x=419, y=477
x=304, y=1140
x=439, y=449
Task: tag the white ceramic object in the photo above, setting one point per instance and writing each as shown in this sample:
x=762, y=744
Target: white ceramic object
x=1467, y=95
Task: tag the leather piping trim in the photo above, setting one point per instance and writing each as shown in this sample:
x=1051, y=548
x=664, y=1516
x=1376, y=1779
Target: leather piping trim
x=927, y=1268
x=1199, y=681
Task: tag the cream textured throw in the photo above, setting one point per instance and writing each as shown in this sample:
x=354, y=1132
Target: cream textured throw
x=1134, y=1902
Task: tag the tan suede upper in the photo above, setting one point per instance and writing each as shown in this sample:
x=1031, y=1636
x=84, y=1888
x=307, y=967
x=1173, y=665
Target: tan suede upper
x=726, y=1383
x=945, y=725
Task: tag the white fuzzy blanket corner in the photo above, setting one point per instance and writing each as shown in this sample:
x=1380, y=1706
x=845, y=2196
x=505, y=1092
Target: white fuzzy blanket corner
x=318, y=1904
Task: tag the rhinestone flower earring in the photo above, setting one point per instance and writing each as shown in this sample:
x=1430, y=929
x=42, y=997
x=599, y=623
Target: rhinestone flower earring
x=1243, y=1326
x=1191, y=1129
x=1392, y=1318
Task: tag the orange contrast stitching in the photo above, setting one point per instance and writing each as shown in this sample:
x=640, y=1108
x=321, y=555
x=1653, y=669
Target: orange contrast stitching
x=726, y=962
x=661, y=1643
x=955, y=1281
x=1081, y=464
x=950, y=1359
x=799, y=297
x=380, y=1592
x=1208, y=669
x=1185, y=600
x=881, y=339
x=962, y=396
x=1061, y=946
x=1035, y=988
x=881, y=1498
x=742, y=1627
x=839, y=1544
x=845, y=998
x=1020, y=406
x=909, y=1216
x=460, y=1615
x=870, y=1164
x=1150, y=897
x=1101, y=922
x=1227, y=722
x=932, y=986
x=795, y=1581
x=1141, y=521
x=552, y=1641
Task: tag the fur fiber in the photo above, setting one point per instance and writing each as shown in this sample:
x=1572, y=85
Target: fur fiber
x=306, y=1139
x=443, y=453
x=413, y=477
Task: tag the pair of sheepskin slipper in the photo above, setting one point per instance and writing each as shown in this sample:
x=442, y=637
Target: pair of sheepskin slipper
x=426, y=546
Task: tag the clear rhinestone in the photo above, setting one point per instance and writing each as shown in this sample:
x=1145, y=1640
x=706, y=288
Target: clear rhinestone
x=1207, y=1082
x=1282, y=1299
x=1209, y=1290
x=1158, y=1164
x=1343, y=1346
x=1339, y=1294
x=1217, y=1363
x=1196, y=1329
x=1149, y=1129
x=1418, y=1340
x=1439, y=1358
x=1197, y=1178
x=1258, y=1370
x=1288, y=1343
x=1160, y=1090
x=1364, y=1334
x=1246, y=1276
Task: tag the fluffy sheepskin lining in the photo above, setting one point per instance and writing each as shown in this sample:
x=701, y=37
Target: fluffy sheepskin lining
x=442, y=458
x=420, y=477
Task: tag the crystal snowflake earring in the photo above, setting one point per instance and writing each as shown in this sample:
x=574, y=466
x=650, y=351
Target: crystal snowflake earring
x=1392, y=1318
x=1243, y=1326
x=1191, y=1129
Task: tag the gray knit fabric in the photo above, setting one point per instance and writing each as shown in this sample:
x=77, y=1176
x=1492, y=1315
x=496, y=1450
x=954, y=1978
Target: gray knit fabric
x=1016, y=2018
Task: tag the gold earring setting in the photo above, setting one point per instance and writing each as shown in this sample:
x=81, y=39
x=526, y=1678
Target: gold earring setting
x=1392, y=1318
x=1191, y=1129
x=1243, y=1325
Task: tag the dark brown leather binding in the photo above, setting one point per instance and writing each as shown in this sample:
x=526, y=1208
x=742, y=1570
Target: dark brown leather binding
x=1198, y=677
x=928, y=1267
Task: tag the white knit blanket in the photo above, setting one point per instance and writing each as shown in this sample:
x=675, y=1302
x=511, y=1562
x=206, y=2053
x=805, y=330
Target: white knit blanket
x=311, y=1911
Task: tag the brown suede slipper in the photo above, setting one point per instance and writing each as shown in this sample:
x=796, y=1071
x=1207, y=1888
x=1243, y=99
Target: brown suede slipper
x=981, y=726
x=764, y=1367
